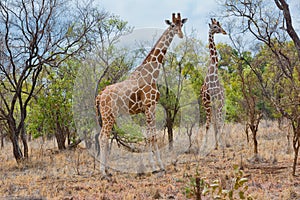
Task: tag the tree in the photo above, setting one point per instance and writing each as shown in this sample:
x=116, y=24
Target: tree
x=3, y=133
x=107, y=56
x=284, y=7
x=176, y=74
x=51, y=113
x=232, y=83
x=36, y=34
x=272, y=27
x=252, y=98
x=245, y=101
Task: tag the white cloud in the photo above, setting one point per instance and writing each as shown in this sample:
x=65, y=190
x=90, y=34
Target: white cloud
x=145, y=14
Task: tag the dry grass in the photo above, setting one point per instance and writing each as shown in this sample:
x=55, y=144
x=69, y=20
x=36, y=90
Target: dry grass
x=74, y=174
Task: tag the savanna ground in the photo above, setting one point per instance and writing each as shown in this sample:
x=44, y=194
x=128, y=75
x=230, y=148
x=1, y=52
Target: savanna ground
x=74, y=174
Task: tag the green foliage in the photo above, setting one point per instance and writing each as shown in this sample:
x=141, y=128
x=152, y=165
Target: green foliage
x=53, y=106
x=238, y=188
x=180, y=83
x=129, y=132
x=244, y=93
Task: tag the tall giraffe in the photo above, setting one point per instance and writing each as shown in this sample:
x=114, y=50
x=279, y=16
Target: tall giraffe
x=137, y=94
x=212, y=92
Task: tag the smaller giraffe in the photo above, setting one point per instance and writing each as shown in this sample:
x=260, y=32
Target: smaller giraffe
x=212, y=92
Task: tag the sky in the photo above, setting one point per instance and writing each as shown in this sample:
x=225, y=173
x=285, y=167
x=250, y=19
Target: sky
x=151, y=14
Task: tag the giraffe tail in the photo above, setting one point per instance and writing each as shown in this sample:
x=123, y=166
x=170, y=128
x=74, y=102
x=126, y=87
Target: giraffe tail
x=98, y=113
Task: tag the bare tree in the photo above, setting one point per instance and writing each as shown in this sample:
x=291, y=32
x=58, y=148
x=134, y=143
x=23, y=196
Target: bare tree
x=36, y=34
x=250, y=103
x=288, y=24
x=270, y=23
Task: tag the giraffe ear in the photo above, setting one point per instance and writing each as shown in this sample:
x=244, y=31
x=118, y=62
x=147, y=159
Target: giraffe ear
x=184, y=20
x=168, y=22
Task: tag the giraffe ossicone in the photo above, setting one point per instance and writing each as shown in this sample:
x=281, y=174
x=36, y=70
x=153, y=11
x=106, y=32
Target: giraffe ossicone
x=137, y=94
x=212, y=91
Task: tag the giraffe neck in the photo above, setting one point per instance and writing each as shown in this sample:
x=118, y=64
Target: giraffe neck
x=213, y=68
x=159, y=50
x=154, y=59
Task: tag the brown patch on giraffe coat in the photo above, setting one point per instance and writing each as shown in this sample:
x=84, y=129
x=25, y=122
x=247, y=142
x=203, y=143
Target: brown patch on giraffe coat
x=134, y=103
x=161, y=55
x=144, y=72
x=156, y=73
x=211, y=70
x=143, y=97
x=214, y=59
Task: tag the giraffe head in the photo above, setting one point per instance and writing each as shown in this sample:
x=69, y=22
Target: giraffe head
x=177, y=24
x=215, y=27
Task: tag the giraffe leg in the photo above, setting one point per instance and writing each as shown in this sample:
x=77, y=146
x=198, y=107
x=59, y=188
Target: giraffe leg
x=216, y=127
x=215, y=123
x=221, y=137
x=104, y=143
x=157, y=154
x=103, y=152
x=151, y=134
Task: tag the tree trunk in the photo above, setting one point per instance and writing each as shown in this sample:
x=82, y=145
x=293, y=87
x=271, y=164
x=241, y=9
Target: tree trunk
x=189, y=132
x=60, y=137
x=255, y=143
x=296, y=150
x=68, y=133
x=14, y=137
x=169, y=125
x=283, y=5
x=2, y=140
x=16, y=148
x=2, y=137
x=170, y=137
x=24, y=140
x=296, y=144
x=254, y=129
x=247, y=133
x=288, y=136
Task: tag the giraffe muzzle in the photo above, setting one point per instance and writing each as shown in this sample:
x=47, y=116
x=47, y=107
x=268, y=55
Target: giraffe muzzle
x=180, y=34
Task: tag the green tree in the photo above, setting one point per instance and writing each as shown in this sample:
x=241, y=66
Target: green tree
x=52, y=113
x=270, y=24
x=245, y=101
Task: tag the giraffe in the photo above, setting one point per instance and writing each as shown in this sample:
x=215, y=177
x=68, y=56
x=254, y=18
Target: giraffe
x=212, y=92
x=137, y=94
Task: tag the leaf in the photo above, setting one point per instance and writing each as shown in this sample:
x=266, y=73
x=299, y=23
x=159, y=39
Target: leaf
x=214, y=185
x=242, y=181
x=230, y=194
x=241, y=195
x=205, y=190
x=225, y=192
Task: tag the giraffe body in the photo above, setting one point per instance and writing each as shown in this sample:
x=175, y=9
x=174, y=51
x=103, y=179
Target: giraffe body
x=212, y=92
x=137, y=94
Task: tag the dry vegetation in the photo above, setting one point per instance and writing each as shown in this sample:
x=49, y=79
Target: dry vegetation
x=74, y=174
